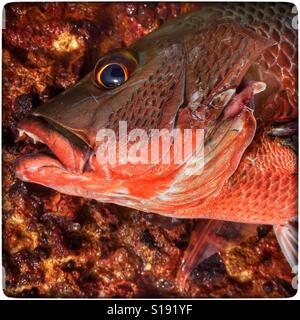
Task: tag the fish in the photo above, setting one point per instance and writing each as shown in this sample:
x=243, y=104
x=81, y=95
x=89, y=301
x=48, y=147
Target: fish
x=228, y=72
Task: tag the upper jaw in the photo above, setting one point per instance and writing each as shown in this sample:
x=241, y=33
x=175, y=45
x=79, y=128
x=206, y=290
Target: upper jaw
x=71, y=152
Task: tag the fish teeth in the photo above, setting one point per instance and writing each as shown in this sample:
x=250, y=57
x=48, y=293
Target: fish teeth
x=34, y=138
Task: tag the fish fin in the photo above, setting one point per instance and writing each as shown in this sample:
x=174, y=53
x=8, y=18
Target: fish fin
x=287, y=133
x=208, y=238
x=287, y=236
x=287, y=129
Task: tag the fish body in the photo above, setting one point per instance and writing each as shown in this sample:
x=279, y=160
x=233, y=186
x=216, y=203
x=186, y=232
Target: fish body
x=229, y=70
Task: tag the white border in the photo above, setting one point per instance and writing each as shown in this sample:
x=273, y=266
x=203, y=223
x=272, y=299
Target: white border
x=4, y=297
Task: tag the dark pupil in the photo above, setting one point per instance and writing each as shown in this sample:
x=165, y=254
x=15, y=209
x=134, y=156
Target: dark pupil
x=113, y=75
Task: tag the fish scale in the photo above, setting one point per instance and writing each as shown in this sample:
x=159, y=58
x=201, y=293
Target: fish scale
x=264, y=187
x=206, y=70
x=147, y=101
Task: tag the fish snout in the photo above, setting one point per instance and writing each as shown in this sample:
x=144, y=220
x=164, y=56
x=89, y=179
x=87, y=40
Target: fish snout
x=67, y=149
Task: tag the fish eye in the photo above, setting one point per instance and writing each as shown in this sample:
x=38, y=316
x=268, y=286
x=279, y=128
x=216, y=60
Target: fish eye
x=111, y=75
x=115, y=68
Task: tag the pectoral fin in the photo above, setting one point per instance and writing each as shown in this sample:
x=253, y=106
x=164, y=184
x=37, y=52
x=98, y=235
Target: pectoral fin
x=210, y=237
x=287, y=236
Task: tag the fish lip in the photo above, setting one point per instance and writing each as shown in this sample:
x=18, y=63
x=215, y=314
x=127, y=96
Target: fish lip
x=27, y=164
x=70, y=153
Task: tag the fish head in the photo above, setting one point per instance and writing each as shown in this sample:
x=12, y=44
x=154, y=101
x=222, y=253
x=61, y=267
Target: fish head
x=178, y=77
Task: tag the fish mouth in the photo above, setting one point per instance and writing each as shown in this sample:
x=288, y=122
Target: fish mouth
x=67, y=151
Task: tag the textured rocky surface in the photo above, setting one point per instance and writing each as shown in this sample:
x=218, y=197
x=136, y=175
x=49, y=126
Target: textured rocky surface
x=60, y=246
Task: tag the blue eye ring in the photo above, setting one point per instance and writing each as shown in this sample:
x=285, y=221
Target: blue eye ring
x=111, y=75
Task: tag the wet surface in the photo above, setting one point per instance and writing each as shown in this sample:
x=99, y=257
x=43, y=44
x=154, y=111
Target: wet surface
x=61, y=246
